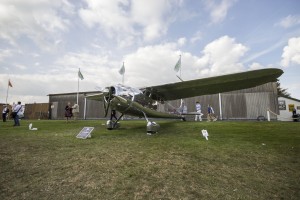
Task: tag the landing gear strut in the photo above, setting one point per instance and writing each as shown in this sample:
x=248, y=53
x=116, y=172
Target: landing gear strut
x=111, y=124
x=152, y=127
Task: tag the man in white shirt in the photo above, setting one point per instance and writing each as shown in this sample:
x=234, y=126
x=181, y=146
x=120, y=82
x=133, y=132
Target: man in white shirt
x=198, y=110
x=17, y=110
x=75, y=110
x=4, y=113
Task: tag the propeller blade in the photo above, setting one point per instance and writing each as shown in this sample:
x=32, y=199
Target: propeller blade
x=108, y=100
x=106, y=110
x=104, y=105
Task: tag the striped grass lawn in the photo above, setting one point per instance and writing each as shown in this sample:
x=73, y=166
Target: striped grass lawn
x=241, y=160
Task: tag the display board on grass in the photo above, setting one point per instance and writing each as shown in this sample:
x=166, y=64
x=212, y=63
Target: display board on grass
x=85, y=133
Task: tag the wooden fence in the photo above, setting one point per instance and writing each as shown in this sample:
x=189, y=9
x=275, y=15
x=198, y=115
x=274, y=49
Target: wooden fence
x=36, y=111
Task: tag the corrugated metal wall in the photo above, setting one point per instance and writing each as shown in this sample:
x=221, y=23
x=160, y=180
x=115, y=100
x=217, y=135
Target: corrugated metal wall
x=58, y=102
x=242, y=104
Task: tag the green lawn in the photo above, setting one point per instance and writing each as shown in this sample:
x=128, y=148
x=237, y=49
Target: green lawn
x=241, y=160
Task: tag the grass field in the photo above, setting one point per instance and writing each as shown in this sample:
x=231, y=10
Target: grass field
x=241, y=160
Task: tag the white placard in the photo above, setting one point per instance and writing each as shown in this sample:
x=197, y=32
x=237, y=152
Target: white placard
x=85, y=133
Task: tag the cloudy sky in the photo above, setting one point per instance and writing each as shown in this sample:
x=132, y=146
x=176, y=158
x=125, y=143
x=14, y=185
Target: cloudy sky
x=43, y=43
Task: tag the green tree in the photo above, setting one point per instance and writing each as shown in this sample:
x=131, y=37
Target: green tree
x=282, y=92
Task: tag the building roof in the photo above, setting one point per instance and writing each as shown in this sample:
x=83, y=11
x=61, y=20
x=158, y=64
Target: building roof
x=74, y=93
x=290, y=98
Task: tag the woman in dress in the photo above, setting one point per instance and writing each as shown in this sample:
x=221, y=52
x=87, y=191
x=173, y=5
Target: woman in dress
x=68, y=111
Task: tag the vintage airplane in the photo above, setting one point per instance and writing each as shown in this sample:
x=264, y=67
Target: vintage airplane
x=141, y=102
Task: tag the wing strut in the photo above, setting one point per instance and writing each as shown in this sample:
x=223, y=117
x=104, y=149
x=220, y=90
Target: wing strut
x=145, y=116
x=152, y=127
x=115, y=123
x=179, y=78
x=110, y=124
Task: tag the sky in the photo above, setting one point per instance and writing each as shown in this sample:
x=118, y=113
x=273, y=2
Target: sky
x=44, y=43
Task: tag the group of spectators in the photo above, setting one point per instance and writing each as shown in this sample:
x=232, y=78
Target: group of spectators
x=71, y=111
x=17, y=111
x=210, y=113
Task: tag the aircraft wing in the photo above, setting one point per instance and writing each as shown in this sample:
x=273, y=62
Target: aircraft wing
x=97, y=97
x=213, y=85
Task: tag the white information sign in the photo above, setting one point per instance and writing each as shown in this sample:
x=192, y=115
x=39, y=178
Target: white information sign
x=205, y=134
x=85, y=133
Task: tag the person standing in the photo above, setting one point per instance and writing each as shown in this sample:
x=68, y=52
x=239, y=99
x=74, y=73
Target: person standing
x=113, y=114
x=198, y=110
x=294, y=111
x=5, y=112
x=75, y=111
x=68, y=111
x=17, y=110
x=210, y=114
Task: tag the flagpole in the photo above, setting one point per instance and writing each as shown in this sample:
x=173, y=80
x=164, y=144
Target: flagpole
x=123, y=79
x=180, y=65
x=123, y=76
x=78, y=87
x=7, y=91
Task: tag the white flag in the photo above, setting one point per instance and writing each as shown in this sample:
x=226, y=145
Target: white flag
x=122, y=70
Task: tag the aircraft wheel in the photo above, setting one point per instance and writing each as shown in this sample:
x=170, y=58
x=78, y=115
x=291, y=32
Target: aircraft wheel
x=110, y=125
x=152, y=127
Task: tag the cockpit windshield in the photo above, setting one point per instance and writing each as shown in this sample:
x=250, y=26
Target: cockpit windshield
x=122, y=90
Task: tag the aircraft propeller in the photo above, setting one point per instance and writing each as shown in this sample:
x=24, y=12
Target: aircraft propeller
x=107, y=100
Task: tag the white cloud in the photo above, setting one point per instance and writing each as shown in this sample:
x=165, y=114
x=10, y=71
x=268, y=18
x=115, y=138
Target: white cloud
x=196, y=37
x=151, y=65
x=222, y=56
x=35, y=55
x=97, y=69
x=218, y=9
x=148, y=65
x=88, y=34
x=181, y=41
x=38, y=20
x=129, y=19
x=291, y=52
x=111, y=15
x=29, y=88
x=152, y=16
x=155, y=64
x=4, y=53
x=289, y=21
x=255, y=66
x=20, y=67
